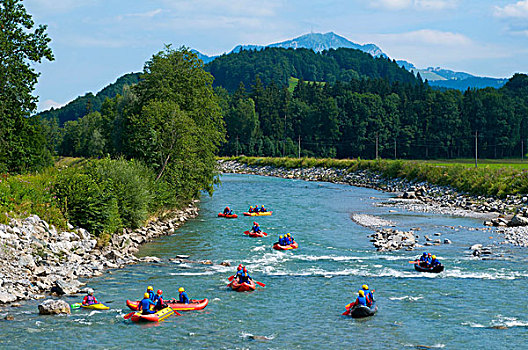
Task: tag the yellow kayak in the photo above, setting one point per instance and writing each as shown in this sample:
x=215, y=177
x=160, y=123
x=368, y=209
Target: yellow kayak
x=266, y=213
x=95, y=306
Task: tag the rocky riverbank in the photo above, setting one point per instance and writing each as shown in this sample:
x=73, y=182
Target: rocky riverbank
x=422, y=197
x=38, y=259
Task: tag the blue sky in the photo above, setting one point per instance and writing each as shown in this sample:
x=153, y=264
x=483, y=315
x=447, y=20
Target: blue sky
x=96, y=41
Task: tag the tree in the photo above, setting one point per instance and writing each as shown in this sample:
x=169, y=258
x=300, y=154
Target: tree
x=22, y=146
x=176, y=125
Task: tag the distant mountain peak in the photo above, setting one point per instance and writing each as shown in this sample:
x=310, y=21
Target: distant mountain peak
x=317, y=42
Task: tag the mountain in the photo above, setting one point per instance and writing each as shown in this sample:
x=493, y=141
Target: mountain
x=448, y=79
x=275, y=65
x=318, y=42
x=82, y=105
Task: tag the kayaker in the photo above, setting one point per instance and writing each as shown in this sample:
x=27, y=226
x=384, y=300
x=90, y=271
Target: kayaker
x=256, y=227
x=368, y=294
x=360, y=300
x=434, y=261
x=244, y=277
x=184, y=299
x=423, y=259
x=89, y=299
x=160, y=304
x=152, y=295
x=145, y=304
x=228, y=211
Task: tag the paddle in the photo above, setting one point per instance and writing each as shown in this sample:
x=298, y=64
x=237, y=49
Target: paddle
x=127, y=316
x=413, y=262
x=247, y=233
x=230, y=278
x=260, y=283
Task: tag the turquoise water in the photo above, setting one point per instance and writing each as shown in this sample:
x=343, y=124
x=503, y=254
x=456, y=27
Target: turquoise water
x=306, y=289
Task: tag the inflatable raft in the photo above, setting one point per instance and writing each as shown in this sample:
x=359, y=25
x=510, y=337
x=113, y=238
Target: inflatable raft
x=266, y=213
x=360, y=311
x=155, y=317
x=232, y=216
x=255, y=234
x=436, y=269
x=174, y=305
x=242, y=287
x=277, y=246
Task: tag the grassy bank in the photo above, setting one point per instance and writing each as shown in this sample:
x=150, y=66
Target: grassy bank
x=103, y=196
x=494, y=179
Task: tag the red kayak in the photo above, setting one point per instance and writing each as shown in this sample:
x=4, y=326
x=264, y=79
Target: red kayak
x=174, y=305
x=255, y=234
x=242, y=287
x=277, y=246
x=222, y=215
x=155, y=317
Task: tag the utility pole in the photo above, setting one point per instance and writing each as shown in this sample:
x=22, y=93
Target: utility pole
x=237, y=147
x=377, y=141
x=476, y=149
x=299, y=156
x=395, y=148
x=522, y=150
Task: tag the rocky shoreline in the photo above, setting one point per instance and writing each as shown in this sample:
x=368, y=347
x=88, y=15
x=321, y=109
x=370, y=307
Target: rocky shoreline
x=510, y=213
x=38, y=259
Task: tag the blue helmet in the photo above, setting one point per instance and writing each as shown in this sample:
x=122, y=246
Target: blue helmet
x=425, y=254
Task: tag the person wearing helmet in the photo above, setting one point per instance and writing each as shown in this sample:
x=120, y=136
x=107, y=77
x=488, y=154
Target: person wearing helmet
x=184, y=299
x=89, y=299
x=256, y=227
x=250, y=209
x=434, y=261
x=228, y=211
x=244, y=276
x=151, y=294
x=160, y=304
x=281, y=240
x=290, y=238
x=429, y=260
x=239, y=271
x=423, y=259
x=368, y=295
x=360, y=300
x=146, y=304
x=262, y=209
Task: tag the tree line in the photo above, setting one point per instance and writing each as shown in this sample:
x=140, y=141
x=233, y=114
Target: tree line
x=356, y=118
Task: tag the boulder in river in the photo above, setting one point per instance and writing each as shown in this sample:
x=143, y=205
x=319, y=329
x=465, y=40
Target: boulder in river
x=54, y=307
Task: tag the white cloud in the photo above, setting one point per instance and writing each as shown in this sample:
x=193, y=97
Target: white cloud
x=148, y=14
x=517, y=10
x=429, y=47
x=45, y=105
x=392, y=5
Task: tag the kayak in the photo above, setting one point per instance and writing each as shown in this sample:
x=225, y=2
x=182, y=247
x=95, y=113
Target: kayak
x=174, y=305
x=98, y=306
x=360, y=311
x=95, y=306
x=436, y=269
x=155, y=317
x=242, y=287
x=255, y=234
x=266, y=213
x=277, y=246
x=232, y=216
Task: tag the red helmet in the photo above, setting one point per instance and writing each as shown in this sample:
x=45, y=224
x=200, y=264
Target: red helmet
x=254, y=222
x=160, y=292
x=245, y=270
x=240, y=266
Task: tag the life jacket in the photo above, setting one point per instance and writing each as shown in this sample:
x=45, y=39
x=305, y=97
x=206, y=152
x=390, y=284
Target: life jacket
x=145, y=304
x=184, y=298
x=361, y=301
x=435, y=262
x=368, y=296
x=256, y=228
x=152, y=295
x=244, y=277
x=89, y=300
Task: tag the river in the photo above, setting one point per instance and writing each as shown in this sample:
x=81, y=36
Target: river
x=473, y=304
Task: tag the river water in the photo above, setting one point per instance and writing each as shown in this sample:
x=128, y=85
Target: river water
x=473, y=304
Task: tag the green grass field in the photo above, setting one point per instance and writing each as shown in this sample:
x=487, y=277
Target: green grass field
x=482, y=163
